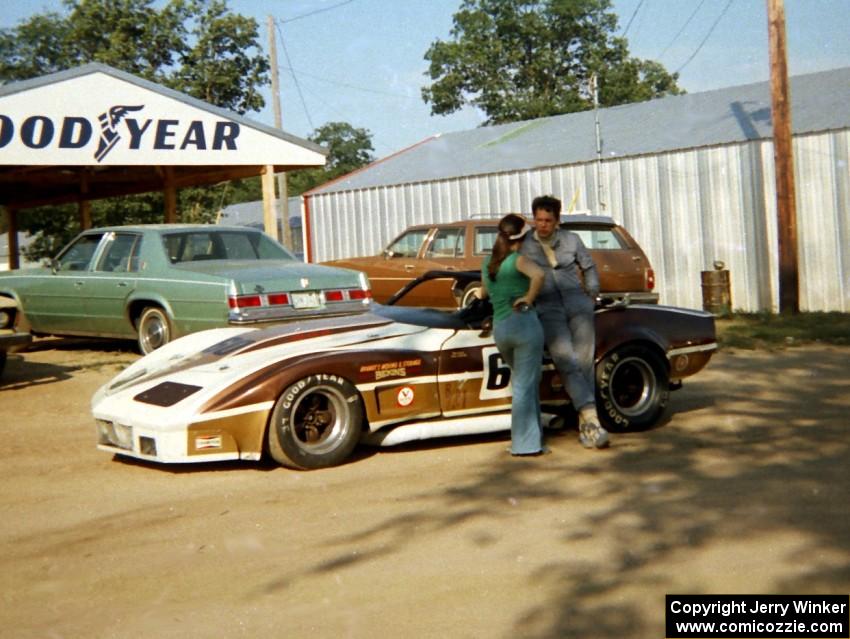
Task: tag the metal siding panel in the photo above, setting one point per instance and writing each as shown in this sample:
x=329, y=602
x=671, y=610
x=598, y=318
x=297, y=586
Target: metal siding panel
x=819, y=224
x=841, y=204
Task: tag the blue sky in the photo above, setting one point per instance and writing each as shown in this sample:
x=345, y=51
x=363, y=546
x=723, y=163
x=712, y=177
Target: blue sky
x=361, y=61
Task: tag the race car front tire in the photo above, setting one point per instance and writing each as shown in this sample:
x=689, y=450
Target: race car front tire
x=316, y=423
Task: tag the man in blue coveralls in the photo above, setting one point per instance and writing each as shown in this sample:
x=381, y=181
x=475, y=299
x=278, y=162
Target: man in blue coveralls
x=565, y=306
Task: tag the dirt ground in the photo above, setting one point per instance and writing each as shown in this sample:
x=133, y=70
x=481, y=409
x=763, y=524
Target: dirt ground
x=743, y=489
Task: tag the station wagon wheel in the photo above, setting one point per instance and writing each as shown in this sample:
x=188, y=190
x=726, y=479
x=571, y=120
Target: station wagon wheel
x=316, y=423
x=632, y=388
x=154, y=329
x=470, y=293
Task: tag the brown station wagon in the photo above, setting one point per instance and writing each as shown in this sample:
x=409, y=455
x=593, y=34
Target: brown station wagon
x=624, y=269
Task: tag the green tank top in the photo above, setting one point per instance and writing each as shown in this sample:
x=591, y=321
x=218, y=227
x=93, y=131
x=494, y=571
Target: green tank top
x=509, y=285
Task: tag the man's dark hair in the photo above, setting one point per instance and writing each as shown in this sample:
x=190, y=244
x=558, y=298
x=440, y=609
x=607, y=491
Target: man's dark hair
x=548, y=203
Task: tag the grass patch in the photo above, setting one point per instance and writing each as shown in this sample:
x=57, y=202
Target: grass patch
x=772, y=331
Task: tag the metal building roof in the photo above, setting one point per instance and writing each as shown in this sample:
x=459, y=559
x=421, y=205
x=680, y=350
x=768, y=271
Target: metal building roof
x=723, y=116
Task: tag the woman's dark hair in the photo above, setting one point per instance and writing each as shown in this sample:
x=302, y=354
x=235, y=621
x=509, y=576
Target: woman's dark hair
x=510, y=225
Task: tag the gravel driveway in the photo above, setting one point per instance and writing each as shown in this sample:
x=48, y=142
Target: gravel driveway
x=744, y=489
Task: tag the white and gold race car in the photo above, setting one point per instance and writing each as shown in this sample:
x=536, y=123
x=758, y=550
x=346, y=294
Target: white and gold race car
x=307, y=392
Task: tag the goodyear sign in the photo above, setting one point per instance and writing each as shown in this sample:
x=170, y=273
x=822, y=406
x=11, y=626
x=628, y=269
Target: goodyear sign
x=101, y=118
x=76, y=132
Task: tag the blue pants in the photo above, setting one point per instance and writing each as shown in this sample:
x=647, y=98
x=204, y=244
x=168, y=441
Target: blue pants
x=571, y=342
x=520, y=342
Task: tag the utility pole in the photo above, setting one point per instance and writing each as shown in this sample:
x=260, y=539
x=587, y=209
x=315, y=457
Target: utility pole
x=600, y=190
x=783, y=156
x=278, y=122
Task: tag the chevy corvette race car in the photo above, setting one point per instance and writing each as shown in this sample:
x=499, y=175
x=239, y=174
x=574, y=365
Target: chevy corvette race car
x=307, y=392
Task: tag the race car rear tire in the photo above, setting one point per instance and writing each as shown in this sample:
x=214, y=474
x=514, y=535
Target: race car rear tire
x=632, y=388
x=316, y=423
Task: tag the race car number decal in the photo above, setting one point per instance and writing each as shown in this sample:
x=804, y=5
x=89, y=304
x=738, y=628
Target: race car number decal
x=496, y=382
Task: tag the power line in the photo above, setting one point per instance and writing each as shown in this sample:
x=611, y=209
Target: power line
x=312, y=13
x=350, y=86
x=637, y=8
x=707, y=36
x=297, y=85
x=684, y=26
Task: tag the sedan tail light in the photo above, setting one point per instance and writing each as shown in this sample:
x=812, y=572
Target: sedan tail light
x=359, y=294
x=244, y=301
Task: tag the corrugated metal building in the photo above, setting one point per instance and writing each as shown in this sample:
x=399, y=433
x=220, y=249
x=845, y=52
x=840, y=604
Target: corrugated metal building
x=691, y=177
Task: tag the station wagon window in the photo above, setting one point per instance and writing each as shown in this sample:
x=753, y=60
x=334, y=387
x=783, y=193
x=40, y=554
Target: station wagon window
x=408, y=244
x=78, y=255
x=485, y=237
x=446, y=243
x=600, y=239
x=120, y=254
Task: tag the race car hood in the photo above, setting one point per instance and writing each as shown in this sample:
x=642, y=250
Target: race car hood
x=242, y=349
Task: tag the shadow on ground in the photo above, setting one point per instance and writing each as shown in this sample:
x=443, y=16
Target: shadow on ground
x=761, y=454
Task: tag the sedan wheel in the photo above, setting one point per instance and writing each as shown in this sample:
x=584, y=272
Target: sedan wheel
x=632, y=388
x=154, y=330
x=316, y=423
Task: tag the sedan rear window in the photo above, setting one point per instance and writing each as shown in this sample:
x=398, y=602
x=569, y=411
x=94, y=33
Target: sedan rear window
x=198, y=246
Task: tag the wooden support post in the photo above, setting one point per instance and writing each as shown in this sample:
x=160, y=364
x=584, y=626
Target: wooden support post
x=14, y=258
x=170, y=193
x=84, y=204
x=269, y=216
x=783, y=155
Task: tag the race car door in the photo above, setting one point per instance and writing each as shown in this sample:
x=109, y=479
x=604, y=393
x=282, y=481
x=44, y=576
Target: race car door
x=473, y=377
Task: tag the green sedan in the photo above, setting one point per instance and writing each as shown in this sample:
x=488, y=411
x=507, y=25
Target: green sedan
x=157, y=282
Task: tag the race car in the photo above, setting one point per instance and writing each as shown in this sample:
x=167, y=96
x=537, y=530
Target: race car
x=307, y=392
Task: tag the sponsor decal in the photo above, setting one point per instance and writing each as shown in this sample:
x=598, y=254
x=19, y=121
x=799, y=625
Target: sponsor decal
x=405, y=396
x=204, y=442
x=401, y=368
x=142, y=134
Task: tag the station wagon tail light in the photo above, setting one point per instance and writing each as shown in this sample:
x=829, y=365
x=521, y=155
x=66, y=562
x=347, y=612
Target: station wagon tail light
x=650, y=279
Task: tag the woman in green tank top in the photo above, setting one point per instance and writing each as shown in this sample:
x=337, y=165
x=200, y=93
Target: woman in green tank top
x=512, y=282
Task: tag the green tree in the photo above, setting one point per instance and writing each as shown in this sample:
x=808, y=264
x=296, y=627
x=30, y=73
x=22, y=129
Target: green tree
x=198, y=47
x=525, y=59
x=349, y=148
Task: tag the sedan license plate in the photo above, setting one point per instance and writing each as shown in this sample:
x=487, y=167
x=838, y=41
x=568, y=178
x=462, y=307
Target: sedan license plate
x=306, y=300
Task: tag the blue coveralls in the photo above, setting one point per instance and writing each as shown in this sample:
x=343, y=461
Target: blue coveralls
x=565, y=306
